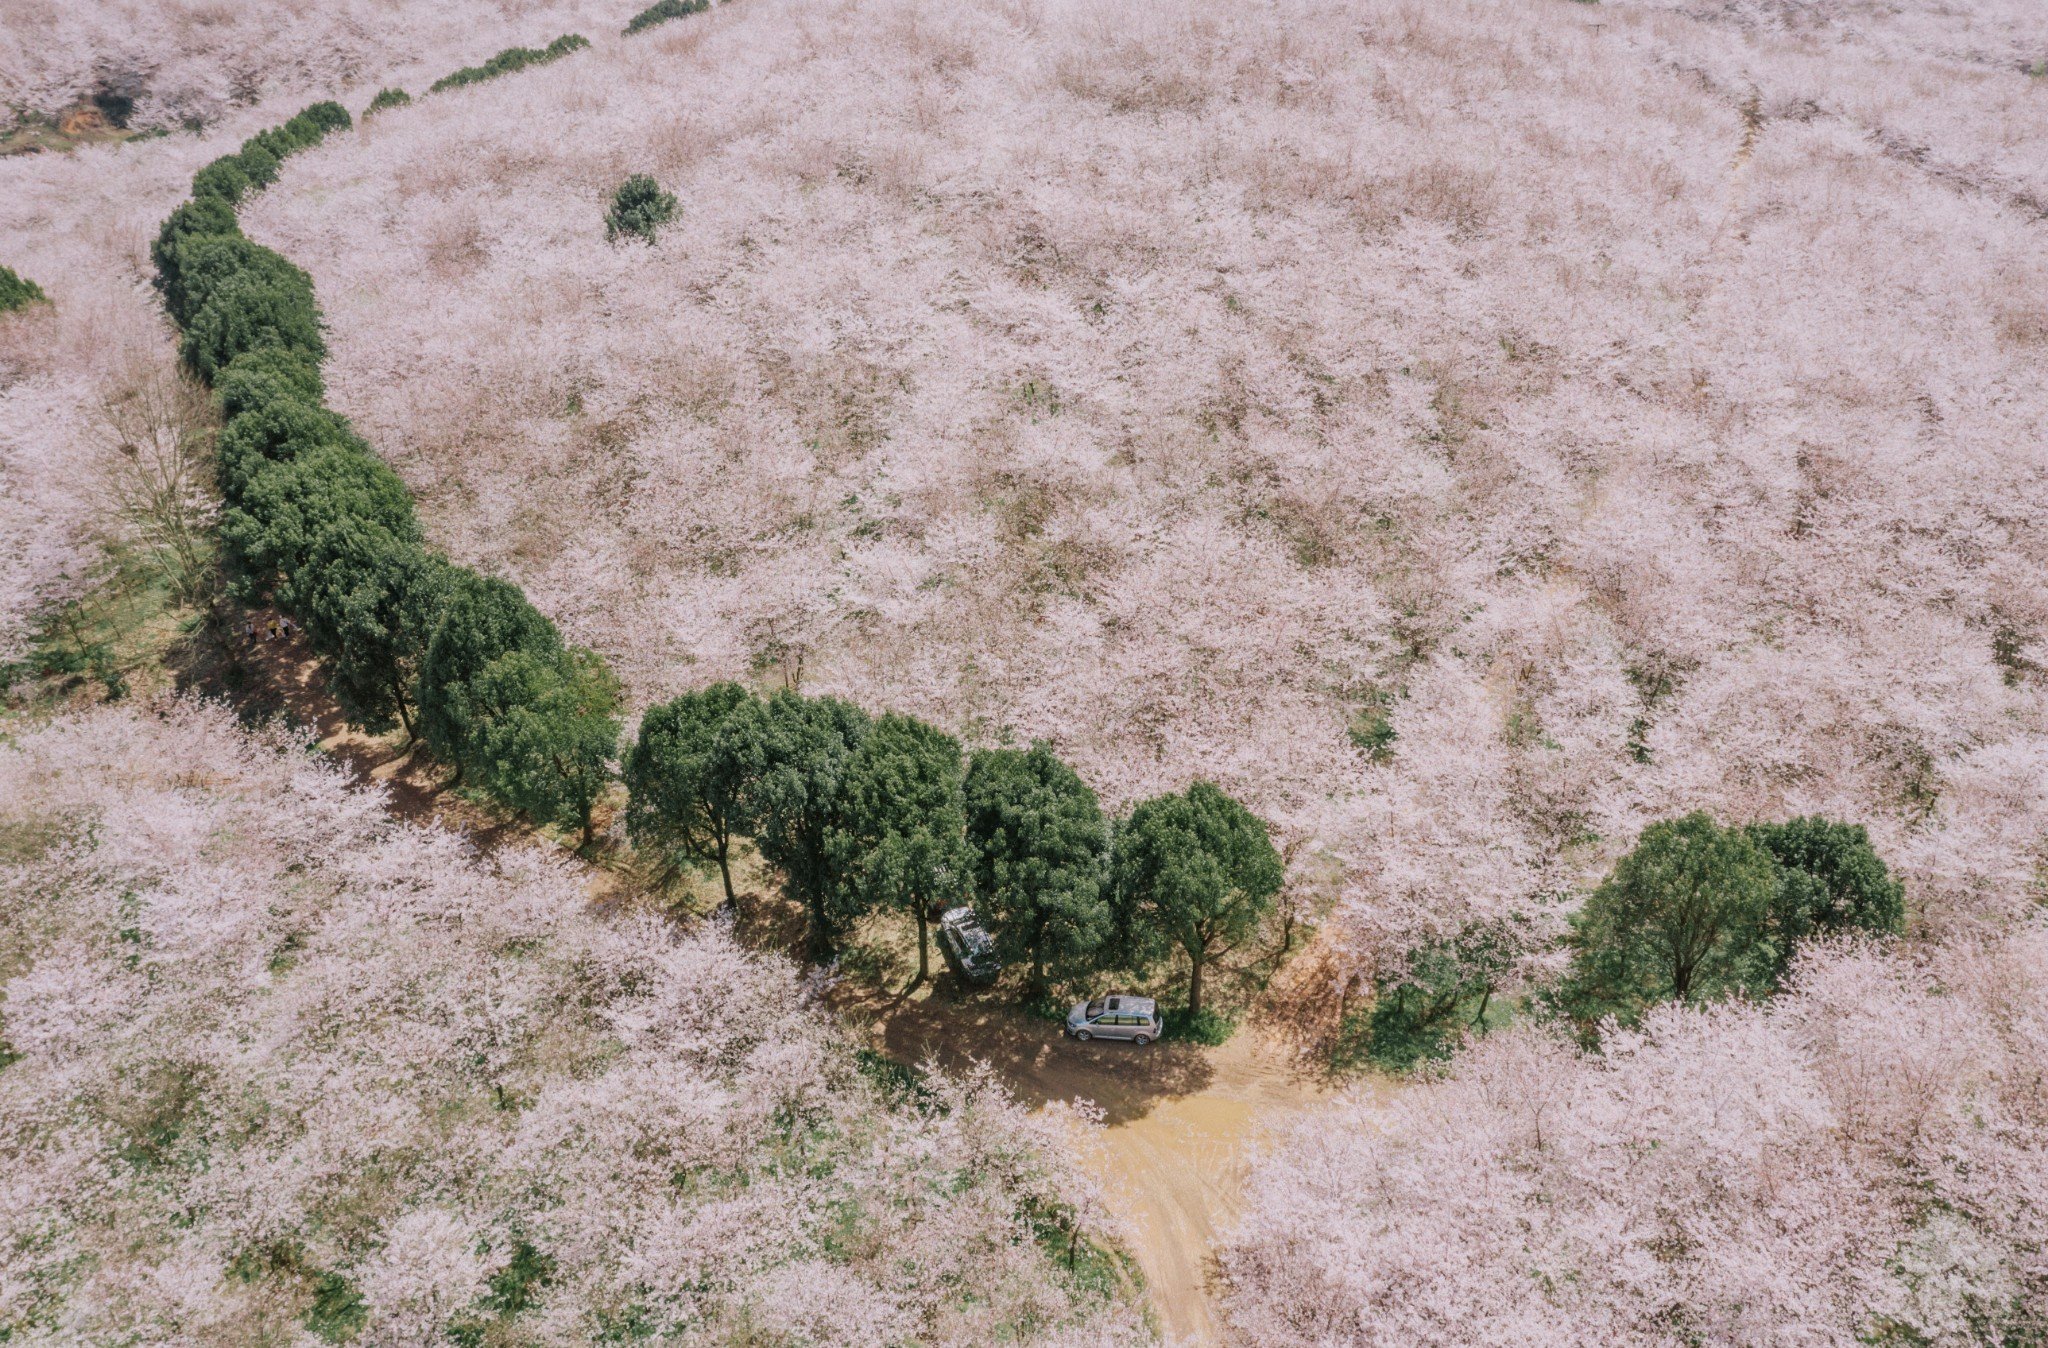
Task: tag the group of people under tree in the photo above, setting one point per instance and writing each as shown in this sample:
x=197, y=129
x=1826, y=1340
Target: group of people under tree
x=859, y=813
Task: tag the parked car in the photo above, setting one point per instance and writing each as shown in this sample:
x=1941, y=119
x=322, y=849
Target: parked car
x=1132, y=1018
x=969, y=950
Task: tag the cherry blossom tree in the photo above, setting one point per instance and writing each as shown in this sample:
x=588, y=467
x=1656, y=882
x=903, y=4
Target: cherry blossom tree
x=1858, y=1161
x=278, y=1063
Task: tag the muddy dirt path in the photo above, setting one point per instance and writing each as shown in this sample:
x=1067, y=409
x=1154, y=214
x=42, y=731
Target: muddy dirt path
x=1183, y=1122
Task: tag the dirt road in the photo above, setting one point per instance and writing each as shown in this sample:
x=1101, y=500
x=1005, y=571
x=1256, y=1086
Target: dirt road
x=1183, y=1122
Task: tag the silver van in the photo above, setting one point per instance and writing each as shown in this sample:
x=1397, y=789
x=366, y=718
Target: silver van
x=1132, y=1018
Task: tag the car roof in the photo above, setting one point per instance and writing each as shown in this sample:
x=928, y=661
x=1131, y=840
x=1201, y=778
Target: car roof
x=1143, y=1006
x=964, y=913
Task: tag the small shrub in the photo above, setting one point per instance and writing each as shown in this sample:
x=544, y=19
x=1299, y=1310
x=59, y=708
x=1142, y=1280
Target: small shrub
x=16, y=292
x=387, y=98
x=665, y=10
x=1207, y=1026
x=639, y=208
x=1372, y=731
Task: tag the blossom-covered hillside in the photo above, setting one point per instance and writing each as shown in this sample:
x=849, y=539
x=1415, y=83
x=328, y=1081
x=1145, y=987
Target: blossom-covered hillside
x=1863, y=1162
x=161, y=63
x=1465, y=430
x=278, y=1068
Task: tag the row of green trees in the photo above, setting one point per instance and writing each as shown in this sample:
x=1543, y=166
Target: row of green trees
x=664, y=10
x=509, y=60
x=855, y=812
x=859, y=813
x=314, y=521
x=1695, y=912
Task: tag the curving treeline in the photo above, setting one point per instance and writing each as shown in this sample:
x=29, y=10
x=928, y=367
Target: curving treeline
x=855, y=812
x=315, y=522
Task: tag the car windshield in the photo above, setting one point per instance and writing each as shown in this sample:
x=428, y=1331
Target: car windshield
x=1094, y=1010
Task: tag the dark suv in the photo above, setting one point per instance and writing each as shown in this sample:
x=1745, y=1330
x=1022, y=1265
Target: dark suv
x=969, y=950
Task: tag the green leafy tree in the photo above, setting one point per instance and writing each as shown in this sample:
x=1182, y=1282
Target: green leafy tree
x=791, y=754
x=224, y=179
x=1679, y=918
x=207, y=262
x=386, y=99
x=251, y=312
x=1040, y=849
x=370, y=601
x=899, y=840
x=259, y=163
x=639, y=208
x=1197, y=870
x=482, y=619
x=317, y=120
x=268, y=533
x=547, y=729
x=664, y=10
x=277, y=432
x=201, y=217
x=253, y=381
x=509, y=60
x=1830, y=880
x=683, y=790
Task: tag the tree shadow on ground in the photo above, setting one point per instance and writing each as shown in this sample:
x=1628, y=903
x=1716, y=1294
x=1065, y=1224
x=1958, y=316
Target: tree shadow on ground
x=278, y=681
x=956, y=1027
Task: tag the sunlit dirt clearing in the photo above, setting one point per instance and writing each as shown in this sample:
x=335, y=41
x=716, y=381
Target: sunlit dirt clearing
x=1183, y=1121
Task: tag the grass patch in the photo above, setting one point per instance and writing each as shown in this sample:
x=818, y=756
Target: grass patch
x=127, y=621
x=899, y=1083
x=1207, y=1026
x=1391, y=1037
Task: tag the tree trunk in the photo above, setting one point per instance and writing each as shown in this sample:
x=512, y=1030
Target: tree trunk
x=823, y=938
x=1195, y=986
x=924, y=944
x=404, y=711
x=725, y=866
x=1479, y=1020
